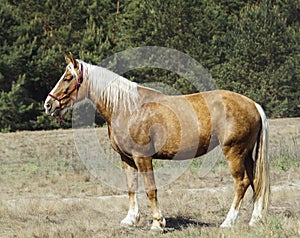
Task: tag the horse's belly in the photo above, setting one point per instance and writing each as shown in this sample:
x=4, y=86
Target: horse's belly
x=182, y=148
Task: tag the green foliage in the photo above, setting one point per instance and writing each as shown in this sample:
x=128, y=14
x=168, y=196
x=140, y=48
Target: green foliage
x=251, y=47
x=261, y=59
x=14, y=109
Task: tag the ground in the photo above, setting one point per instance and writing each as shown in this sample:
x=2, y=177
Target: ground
x=46, y=191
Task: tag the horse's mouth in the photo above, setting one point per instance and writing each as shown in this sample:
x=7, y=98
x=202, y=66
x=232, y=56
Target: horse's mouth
x=59, y=114
x=55, y=113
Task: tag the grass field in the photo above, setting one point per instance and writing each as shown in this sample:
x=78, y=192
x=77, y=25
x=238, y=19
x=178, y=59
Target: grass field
x=46, y=191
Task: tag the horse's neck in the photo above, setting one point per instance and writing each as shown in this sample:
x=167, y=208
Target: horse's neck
x=111, y=93
x=115, y=96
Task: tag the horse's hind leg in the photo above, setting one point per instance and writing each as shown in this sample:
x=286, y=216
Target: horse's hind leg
x=146, y=169
x=133, y=215
x=242, y=180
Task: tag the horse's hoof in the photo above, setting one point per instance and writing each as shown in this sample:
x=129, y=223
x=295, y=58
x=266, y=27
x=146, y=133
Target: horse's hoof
x=156, y=230
x=130, y=220
x=158, y=226
x=226, y=225
x=126, y=224
x=253, y=223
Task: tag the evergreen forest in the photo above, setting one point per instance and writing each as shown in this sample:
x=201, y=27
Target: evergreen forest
x=250, y=47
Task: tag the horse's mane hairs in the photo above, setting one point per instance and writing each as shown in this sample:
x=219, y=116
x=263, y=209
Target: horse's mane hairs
x=113, y=90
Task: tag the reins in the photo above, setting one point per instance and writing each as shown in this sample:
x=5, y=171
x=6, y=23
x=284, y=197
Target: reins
x=79, y=81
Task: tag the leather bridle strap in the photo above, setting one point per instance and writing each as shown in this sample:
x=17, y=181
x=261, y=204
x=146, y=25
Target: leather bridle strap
x=79, y=81
x=66, y=95
x=56, y=98
x=77, y=86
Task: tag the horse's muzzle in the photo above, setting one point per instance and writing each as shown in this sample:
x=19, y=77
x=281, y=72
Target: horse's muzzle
x=51, y=106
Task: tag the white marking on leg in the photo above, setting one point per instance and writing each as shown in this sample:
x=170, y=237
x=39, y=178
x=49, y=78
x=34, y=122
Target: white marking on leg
x=133, y=215
x=230, y=218
x=257, y=212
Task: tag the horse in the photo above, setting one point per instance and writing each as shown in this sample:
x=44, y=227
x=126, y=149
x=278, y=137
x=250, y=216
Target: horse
x=145, y=124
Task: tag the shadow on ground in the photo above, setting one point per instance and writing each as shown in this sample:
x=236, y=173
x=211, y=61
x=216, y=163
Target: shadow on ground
x=179, y=223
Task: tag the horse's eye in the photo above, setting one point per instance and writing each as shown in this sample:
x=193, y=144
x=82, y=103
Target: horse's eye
x=66, y=90
x=68, y=78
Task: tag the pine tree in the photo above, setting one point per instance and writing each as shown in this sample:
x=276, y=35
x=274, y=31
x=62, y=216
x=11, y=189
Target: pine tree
x=250, y=47
x=15, y=110
x=260, y=59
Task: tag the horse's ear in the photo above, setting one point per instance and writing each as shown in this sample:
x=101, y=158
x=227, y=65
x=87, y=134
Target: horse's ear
x=68, y=61
x=73, y=60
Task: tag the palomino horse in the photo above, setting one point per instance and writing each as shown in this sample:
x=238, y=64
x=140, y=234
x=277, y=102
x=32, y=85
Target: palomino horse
x=144, y=124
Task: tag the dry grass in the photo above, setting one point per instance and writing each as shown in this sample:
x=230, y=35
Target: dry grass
x=45, y=191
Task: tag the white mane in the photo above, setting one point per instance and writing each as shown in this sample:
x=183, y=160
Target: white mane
x=114, y=90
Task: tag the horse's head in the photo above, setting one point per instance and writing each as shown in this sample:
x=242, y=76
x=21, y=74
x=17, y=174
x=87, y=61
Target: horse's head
x=66, y=91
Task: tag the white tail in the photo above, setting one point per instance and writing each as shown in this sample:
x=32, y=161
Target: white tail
x=262, y=166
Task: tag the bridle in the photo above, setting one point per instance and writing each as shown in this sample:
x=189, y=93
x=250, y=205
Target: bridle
x=79, y=80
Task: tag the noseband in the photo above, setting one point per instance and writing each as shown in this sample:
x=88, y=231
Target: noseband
x=79, y=80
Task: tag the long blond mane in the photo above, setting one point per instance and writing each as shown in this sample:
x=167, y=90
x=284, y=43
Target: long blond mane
x=114, y=90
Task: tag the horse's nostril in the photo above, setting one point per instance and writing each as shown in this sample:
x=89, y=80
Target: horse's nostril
x=48, y=106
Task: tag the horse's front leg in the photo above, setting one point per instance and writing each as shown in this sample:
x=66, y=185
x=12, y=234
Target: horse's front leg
x=133, y=215
x=145, y=167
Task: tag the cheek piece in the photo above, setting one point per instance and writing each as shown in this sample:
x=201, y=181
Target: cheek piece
x=79, y=80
